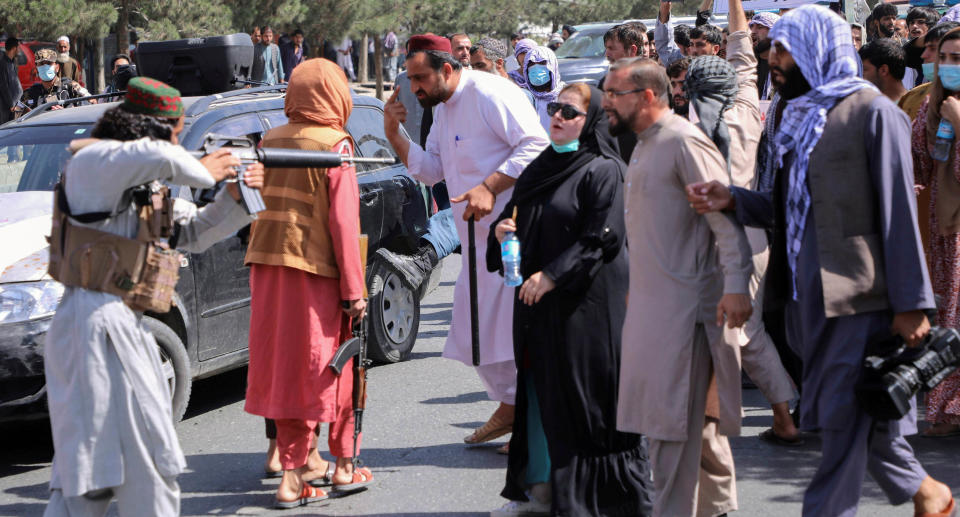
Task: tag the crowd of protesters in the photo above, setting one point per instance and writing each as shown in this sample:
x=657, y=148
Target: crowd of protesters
x=760, y=198
x=707, y=152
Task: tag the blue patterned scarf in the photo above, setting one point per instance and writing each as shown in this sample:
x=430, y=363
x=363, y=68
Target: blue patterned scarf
x=821, y=45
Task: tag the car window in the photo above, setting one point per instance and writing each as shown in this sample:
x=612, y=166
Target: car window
x=31, y=158
x=21, y=58
x=366, y=127
x=243, y=125
x=585, y=43
x=275, y=118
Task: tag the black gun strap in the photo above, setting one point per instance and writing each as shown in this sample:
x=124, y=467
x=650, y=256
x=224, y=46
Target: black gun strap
x=94, y=217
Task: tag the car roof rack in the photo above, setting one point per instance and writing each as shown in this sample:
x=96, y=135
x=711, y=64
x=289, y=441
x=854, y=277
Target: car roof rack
x=203, y=104
x=65, y=102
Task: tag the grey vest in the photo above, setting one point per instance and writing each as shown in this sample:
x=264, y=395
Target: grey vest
x=845, y=213
x=257, y=72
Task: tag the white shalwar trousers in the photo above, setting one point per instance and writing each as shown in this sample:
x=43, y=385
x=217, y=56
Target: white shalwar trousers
x=500, y=381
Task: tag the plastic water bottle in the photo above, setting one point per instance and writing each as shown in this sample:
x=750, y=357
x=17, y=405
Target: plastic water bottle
x=510, y=255
x=941, y=148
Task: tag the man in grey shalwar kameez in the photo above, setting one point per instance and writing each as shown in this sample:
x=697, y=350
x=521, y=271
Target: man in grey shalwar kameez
x=846, y=258
x=110, y=407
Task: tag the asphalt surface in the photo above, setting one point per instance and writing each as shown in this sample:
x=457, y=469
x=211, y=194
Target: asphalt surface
x=416, y=417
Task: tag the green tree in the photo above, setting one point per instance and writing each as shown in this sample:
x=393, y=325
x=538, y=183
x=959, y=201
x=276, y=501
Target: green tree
x=248, y=14
x=175, y=19
x=47, y=19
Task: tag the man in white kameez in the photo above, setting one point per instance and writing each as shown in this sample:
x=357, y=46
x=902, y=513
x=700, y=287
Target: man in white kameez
x=484, y=134
x=110, y=407
x=344, y=57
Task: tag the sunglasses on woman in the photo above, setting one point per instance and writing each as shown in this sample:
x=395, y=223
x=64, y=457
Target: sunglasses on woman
x=567, y=111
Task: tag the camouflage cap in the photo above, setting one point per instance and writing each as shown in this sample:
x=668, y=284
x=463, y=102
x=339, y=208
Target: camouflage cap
x=46, y=54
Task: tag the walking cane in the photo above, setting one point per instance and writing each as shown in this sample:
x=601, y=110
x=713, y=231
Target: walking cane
x=474, y=314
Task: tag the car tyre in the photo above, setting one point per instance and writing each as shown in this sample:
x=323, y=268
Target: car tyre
x=394, y=315
x=174, y=364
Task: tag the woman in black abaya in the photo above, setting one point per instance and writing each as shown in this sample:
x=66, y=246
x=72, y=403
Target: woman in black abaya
x=566, y=456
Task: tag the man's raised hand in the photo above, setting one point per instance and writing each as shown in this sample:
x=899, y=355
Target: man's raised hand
x=394, y=113
x=710, y=196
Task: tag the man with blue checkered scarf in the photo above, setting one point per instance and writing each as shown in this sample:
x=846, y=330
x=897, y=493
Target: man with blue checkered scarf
x=846, y=259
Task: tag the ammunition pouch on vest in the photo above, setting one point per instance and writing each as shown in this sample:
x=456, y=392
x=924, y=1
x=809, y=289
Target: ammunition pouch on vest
x=142, y=271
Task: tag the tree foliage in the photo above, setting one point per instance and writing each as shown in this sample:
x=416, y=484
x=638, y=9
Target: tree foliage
x=175, y=19
x=48, y=19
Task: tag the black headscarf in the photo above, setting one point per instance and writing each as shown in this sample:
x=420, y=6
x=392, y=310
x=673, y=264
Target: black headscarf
x=551, y=168
x=548, y=171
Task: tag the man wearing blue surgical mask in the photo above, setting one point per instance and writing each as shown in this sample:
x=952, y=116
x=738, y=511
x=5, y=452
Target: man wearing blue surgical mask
x=51, y=88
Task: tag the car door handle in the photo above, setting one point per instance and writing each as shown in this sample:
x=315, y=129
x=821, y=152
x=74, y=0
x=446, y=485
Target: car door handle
x=369, y=197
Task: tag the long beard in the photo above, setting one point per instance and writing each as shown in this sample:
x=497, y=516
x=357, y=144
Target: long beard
x=795, y=85
x=883, y=31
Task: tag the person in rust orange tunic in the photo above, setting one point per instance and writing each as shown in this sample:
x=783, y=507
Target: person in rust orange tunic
x=306, y=280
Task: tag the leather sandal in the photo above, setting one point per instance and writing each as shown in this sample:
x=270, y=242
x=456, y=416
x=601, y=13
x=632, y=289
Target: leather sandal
x=496, y=427
x=308, y=494
x=949, y=511
x=362, y=478
x=326, y=479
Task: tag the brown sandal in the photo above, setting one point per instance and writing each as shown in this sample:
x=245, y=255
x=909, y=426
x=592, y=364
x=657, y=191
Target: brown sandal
x=497, y=426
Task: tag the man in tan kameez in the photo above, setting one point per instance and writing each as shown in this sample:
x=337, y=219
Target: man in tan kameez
x=678, y=298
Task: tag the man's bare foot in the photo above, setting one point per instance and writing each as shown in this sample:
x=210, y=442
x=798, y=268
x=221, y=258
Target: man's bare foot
x=272, y=464
x=783, y=425
x=933, y=497
x=942, y=429
x=290, y=485
x=499, y=424
x=317, y=467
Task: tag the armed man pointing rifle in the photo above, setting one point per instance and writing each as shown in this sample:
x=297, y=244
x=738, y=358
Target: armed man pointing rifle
x=115, y=225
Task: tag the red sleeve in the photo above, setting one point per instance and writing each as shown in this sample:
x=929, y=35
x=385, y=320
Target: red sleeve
x=344, y=195
x=922, y=163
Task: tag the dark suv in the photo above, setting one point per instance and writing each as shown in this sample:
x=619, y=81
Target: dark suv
x=206, y=332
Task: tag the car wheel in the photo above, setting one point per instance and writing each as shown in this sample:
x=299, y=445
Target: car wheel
x=174, y=364
x=394, y=312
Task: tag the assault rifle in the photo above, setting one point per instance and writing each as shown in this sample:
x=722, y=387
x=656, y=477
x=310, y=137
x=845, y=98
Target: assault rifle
x=247, y=151
x=355, y=348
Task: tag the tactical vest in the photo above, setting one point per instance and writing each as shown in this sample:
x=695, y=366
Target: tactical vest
x=141, y=271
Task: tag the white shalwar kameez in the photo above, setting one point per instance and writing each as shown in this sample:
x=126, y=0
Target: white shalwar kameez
x=110, y=406
x=486, y=126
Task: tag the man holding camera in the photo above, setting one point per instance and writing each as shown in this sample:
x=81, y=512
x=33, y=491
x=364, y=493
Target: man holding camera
x=846, y=259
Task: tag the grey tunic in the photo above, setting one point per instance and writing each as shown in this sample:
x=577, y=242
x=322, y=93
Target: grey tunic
x=97, y=348
x=832, y=349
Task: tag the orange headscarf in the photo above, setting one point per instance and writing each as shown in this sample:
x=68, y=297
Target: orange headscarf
x=318, y=93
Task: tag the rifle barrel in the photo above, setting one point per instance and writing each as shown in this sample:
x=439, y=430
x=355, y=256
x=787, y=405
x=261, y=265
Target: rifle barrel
x=302, y=158
x=292, y=158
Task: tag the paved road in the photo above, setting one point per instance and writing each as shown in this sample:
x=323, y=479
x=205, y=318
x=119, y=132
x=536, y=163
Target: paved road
x=417, y=415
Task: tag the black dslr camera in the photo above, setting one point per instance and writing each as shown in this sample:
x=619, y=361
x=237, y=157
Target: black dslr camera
x=893, y=373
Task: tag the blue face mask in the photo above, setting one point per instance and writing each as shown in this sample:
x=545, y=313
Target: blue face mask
x=46, y=72
x=950, y=77
x=566, y=148
x=928, y=72
x=538, y=75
